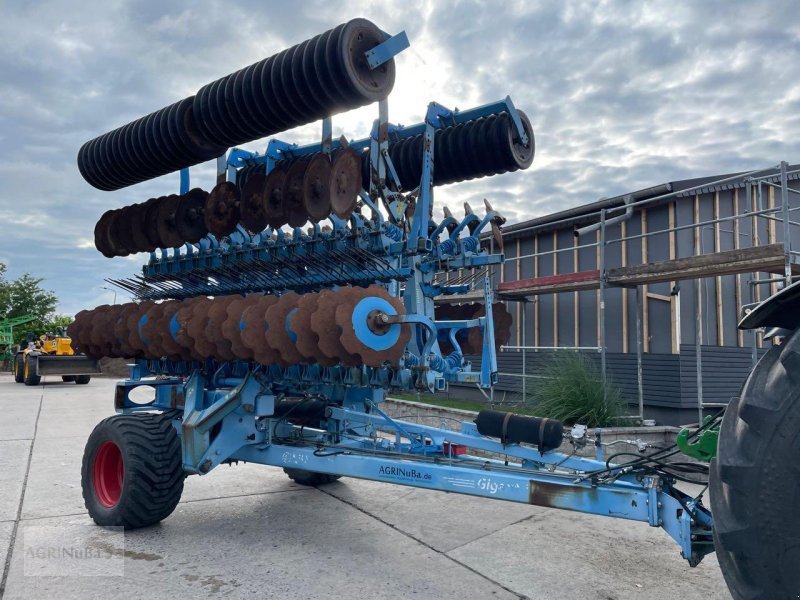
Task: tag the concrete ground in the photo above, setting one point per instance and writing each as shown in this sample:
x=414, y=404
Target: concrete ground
x=248, y=530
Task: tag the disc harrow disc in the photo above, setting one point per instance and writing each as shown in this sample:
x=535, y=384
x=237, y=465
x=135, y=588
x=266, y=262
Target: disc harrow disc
x=181, y=334
x=101, y=231
x=75, y=330
x=134, y=323
x=272, y=199
x=307, y=342
x=316, y=187
x=122, y=232
x=190, y=217
x=196, y=328
x=280, y=335
x=254, y=326
x=166, y=224
x=136, y=215
x=232, y=326
x=217, y=315
x=151, y=222
x=502, y=321
x=100, y=336
x=362, y=332
x=293, y=193
x=222, y=210
x=167, y=327
x=149, y=331
x=96, y=332
x=323, y=324
x=254, y=218
x=119, y=330
x=345, y=182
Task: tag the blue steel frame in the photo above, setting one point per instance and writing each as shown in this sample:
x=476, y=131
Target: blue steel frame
x=225, y=412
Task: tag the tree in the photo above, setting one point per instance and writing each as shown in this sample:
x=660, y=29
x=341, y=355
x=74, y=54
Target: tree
x=26, y=296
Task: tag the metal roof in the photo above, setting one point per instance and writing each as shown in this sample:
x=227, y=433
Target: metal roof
x=587, y=213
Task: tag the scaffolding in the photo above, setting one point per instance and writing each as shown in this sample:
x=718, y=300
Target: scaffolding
x=777, y=258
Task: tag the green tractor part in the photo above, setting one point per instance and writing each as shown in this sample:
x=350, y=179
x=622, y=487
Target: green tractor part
x=702, y=446
x=7, y=336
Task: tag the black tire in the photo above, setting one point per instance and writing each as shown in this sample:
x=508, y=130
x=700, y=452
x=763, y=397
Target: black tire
x=82, y=379
x=68, y=378
x=29, y=372
x=19, y=368
x=151, y=480
x=310, y=477
x=755, y=480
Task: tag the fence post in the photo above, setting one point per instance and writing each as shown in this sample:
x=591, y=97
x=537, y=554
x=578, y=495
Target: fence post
x=698, y=340
x=602, y=269
x=640, y=385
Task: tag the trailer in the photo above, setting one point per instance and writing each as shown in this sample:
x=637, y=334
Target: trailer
x=267, y=340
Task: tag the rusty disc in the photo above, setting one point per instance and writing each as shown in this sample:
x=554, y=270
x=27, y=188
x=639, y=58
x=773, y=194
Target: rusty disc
x=323, y=324
x=134, y=323
x=345, y=182
x=253, y=327
x=99, y=335
x=147, y=239
x=166, y=224
x=307, y=341
x=375, y=345
x=196, y=328
x=151, y=222
x=502, y=321
x=136, y=214
x=169, y=346
x=272, y=198
x=280, y=336
x=217, y=315
x=149, y=331
x=183, y=320
x=189, y=216
x=293, y=193
x=222, y=209
x=316, y=187
x=232, y=326
x=122, y=231
x=112, y=235
x=97, y=323
x=254, y=218
x=75, y=330
x=92, y=330
x=120, y=330
x=101, y=230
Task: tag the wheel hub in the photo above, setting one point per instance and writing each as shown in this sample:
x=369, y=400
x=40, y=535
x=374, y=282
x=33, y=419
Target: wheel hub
x=107, y=474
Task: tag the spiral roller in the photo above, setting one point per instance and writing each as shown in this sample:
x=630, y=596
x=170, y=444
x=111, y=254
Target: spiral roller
x=320, y=77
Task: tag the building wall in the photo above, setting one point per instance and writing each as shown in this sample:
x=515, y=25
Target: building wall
x=572, y=318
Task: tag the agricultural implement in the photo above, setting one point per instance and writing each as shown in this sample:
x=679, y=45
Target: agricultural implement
x=277, y=310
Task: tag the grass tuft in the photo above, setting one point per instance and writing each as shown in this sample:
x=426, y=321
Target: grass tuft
x=573, y=391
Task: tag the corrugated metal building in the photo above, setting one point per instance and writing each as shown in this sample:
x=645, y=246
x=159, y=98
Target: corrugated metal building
x=683, y=256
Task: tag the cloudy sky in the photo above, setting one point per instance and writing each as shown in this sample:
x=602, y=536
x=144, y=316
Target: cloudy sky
x=622, y=95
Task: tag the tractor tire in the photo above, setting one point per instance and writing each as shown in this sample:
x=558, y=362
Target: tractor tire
x=755, y=480
x=19, y=369
x=82, y=379
x=68, y=378
x=29, y=373
x=131, y=474
x=310, y=478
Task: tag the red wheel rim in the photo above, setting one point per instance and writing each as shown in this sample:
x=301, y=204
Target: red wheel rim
x=108, y=472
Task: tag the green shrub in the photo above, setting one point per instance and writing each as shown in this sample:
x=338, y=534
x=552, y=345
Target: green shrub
x=573, y=391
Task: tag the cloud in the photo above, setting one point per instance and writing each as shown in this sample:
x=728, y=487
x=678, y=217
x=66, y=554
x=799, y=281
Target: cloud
x=622, y=95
